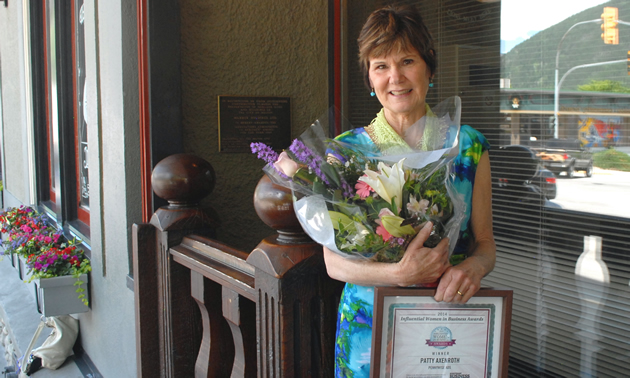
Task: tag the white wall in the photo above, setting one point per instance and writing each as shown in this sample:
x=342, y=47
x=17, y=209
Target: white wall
x=15, y=128
x=108, y=331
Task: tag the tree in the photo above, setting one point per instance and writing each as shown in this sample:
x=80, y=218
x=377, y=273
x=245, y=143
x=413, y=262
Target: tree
x=604, y=86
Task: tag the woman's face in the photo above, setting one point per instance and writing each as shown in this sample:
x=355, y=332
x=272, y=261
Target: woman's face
x=401, y=80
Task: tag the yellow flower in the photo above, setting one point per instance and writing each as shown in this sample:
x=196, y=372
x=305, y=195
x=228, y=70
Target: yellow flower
x=392, y=225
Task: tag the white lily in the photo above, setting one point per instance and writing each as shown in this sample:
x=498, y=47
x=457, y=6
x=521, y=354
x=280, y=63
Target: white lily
x=388, y=183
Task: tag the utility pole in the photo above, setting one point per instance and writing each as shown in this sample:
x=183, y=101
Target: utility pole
x=610, y=35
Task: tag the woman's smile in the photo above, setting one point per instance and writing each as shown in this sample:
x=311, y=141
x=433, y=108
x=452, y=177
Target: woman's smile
x=401, y=92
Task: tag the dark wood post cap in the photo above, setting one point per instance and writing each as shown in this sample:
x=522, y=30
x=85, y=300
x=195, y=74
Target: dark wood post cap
x=183, y=179
x=274, y=206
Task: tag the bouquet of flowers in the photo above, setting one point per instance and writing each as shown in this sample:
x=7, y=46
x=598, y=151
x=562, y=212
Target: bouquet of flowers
x=367, y=202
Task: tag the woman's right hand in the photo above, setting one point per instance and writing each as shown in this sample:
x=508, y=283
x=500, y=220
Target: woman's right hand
x=419, y=265
x=422, y=265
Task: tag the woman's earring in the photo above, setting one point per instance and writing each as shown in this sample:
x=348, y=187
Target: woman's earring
x=431, y=83
x=372, y=93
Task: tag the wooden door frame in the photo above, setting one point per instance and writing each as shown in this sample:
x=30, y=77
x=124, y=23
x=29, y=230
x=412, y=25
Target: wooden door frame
x=159, y=78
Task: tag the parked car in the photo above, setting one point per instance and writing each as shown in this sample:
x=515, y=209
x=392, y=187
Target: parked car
x=546, y=181
x=566, y=155
x=519, y=177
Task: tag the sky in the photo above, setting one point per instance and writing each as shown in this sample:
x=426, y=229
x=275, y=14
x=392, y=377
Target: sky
x=522, y=19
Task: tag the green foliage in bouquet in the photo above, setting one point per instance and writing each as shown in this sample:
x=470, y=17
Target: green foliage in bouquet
x=390, y=205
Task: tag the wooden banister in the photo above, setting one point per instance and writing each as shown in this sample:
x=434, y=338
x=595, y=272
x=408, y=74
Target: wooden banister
x=224, y=269
x=218, y=311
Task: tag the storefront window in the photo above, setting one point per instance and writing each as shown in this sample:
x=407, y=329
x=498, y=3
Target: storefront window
x=83, y=186
x=59, y=103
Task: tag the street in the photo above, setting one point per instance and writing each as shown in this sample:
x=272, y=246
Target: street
x=606, y=192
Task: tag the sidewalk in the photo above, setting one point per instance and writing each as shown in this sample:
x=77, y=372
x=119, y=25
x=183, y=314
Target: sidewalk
x=19, y=320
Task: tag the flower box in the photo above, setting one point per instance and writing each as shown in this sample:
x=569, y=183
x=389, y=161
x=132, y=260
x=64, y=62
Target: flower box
x=22, y=268
x=58, y=295
x=15, y=262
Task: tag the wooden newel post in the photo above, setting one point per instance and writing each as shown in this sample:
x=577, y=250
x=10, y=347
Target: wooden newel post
x=183, y=180
x=297, y=302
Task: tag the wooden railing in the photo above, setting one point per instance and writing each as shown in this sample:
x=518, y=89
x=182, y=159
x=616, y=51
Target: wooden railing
x=204, y=309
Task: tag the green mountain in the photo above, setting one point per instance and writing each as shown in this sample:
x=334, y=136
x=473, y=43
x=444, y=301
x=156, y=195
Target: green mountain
x=531, y=64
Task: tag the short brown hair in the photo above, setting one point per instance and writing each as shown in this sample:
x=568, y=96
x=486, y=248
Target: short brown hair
x=394, y=28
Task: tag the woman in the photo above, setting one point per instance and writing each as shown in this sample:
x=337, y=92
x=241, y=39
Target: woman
x=398, y=61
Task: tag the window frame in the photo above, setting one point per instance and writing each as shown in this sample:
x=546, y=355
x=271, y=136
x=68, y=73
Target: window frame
x=53, y=36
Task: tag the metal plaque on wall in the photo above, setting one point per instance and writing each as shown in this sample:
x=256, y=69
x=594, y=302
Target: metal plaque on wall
x=245, y=119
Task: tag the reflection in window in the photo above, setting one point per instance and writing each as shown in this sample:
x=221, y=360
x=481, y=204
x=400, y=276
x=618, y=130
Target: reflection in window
x=571, y=87
x=82, y=138
x=566, y=257
x=63, y=182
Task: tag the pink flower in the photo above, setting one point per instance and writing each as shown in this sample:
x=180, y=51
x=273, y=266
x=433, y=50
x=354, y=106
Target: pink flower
x=363, y=189
x=380, y=230
x=384, y=211
x=285, y=165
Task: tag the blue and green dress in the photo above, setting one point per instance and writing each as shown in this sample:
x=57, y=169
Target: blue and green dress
x=354, y=322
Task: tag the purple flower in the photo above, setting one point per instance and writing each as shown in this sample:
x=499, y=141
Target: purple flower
x=305, y=155
x=397, y=241
x=264, y=152
x=347, y=189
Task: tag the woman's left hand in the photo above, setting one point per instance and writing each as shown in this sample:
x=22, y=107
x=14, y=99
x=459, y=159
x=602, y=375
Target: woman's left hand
x=459, y=283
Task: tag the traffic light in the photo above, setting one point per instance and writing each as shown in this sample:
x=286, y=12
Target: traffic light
x=610, y=33
x=629, y=62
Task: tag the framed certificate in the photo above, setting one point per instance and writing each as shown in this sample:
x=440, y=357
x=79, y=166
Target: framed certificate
x=416, y=337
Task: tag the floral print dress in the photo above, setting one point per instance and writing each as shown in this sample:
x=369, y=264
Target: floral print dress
x=354, y=324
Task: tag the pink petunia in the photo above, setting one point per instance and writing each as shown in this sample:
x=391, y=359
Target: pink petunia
x=363, y=189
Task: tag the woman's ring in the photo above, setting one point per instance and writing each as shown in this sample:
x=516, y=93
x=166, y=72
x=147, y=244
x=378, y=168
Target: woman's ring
x=460, y=293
